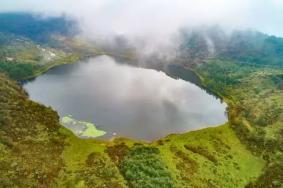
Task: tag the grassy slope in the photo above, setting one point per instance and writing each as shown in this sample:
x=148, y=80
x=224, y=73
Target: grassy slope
x=255, y=98
x=42, y=57
x=79, y=173
x=29, y=139
x=212, y=157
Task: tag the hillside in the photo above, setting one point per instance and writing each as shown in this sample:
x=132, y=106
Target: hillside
x=36, y=151
x=243, y=46
x=36, y=27
x=31, y=136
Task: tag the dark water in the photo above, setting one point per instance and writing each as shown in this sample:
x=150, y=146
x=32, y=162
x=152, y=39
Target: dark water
x=133, y=102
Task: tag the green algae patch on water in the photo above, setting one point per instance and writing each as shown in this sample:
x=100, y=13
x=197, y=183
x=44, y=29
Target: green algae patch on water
x=81, y=128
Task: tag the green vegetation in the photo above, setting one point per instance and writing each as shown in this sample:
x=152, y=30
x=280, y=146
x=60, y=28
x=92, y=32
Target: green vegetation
x=37, y=151
x=81, y=128
x=255, y=100
x=212, y=157
x=22, y=58
x=36, y=28
x=244, y=46
x=87, y=165
x=255, y=47
x=142, y=167
x=30, y=143
x=16, y=71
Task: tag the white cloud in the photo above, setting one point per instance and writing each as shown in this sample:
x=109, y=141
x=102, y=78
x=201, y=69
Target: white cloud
x=156, y=16
x=157, y=20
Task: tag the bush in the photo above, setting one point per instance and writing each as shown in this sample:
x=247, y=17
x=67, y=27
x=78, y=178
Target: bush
x=143, y=168
x=16, y=71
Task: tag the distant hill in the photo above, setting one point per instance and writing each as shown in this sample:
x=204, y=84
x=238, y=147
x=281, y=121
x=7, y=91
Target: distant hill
x=242, y=46
x=35, y=27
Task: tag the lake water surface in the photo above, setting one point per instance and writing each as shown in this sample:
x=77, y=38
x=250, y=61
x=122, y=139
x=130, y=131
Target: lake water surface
x=127, y=101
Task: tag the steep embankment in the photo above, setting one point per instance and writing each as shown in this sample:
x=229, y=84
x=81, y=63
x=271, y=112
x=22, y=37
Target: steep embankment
x=30, y=143
x=255, y=99
x=37, y=151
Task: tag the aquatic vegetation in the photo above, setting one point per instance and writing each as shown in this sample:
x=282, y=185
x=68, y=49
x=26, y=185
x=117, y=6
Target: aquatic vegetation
x=81, y=128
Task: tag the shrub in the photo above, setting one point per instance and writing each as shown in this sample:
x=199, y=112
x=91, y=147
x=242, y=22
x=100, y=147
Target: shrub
x=16, y=71
x=143, y=167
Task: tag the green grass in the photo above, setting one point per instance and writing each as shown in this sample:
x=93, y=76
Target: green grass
x=35, y=151
x=77, y=150
x=255, y=99
x=87, y=165
x=30, y=142
x=212, y=157
x=19, y=52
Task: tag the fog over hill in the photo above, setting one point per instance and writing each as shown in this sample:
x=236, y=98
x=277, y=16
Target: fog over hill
x=152, y=24
x=160, y=31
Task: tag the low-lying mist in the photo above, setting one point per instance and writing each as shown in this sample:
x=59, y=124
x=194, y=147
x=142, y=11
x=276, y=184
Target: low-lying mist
x=152, y=28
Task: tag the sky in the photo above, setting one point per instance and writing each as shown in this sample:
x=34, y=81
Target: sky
x=157, y=20
x=154, y=17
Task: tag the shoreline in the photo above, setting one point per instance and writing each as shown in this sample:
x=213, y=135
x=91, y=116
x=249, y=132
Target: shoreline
x=115, y=139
